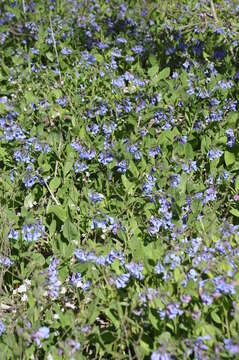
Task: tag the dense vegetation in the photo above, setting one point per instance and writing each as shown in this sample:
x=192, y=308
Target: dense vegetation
x=119, y=185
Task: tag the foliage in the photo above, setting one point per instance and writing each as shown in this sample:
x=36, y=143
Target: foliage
x=119, y=179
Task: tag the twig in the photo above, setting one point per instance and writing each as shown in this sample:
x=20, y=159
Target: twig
x=52, y=195
x=54, y=44
x=24, y=7
x=12, y=31
x=214, y=11
x=56, y=166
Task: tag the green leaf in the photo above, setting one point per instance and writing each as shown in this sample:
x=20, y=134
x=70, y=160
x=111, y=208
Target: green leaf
x=153, y=71
x=216, y=318
x=133, y=168
x=111, y=316
x=127, y=184
x=229, y=158
x=38, y=259
x=59, y=211
x=234, y=212
x=28, y=202
x=50, y=56
x=69, y=230
x=93, y=311
x=52, y=228
x=164, y=74
x=68, y=165
x=177, y=274
x=237, y=183
x=54, y=184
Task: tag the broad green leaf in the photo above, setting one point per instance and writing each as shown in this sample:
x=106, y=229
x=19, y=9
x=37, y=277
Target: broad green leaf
x=59, y=211
x=68, y=165
x=50, y=56
x=229, y=158
x=237, y=183
x=54, y=184
x=153, y=71
x=28, y=202
x=164, y=74
x=69, y=230
x=234, y=212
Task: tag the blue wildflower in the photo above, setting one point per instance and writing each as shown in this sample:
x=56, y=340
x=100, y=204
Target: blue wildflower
x=2, y=328
x=32, y=232
x=53, y=283
x=95, y=197
x=41, y=334
x=230, y=137
x=135, y=270
x=13, y=234
x=66, y=51
x=214, y=154
x=122, y=280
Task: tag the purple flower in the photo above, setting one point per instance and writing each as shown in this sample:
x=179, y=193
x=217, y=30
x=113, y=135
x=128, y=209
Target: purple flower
x=230, y=137
x=61, y=101
x=112, y=256
x=32, y=232
x=2, y=328
x=219, y=54
x=29, y=179
x=53, y=283
x=129, y=58
x=174, y=180
x=170, y=50
x=40, y=334
x=137, y=49
x=210, y=195
x=214, y=154
x=121, y=166
x=5, y=261
x=119, y=82
x=13, y=234
x=121, y=281
x=156, y=223
x=66, y=51
x=172, y=310
x=22, y=155
x=135, y=270
x=80, y=255
x=154, y=151
x=77, y=282
x=105, y=158
x=80, y=167
x=95, y=197
x=160, y=355
x=231, y=346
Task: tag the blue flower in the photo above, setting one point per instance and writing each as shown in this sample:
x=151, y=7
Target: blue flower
x=174, y=180
x=61, y=101
x=95, y=197
x=66, y=51
x=13, y=234
x=122, y=280
x=2, y=328
x=156, y=225
x=230, y=137
x=53, y=283
x=119, y=82
x=32, y=232
x=121, y=166
x=231, y=346
x=214, y=154
x=40, y=334
x=135, y=270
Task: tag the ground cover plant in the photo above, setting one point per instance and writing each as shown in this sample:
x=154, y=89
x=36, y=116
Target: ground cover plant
x=119, y=185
